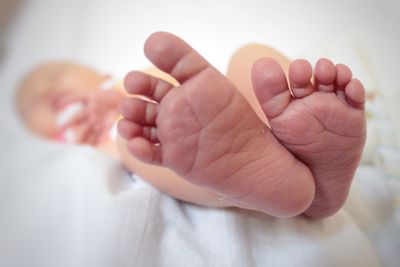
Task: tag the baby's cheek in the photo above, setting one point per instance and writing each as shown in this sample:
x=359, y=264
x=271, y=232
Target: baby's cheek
x=42, y=122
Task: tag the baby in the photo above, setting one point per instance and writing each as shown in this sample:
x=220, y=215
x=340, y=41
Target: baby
x=248, y=140
x=69, y=103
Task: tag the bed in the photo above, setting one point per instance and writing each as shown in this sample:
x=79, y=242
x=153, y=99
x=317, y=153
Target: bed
x=56, y=205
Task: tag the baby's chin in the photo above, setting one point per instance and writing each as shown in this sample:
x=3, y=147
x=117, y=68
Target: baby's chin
x=44, y=131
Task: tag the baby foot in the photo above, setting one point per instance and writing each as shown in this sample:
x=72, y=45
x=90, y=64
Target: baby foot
x=207, y=133
x=322, y=124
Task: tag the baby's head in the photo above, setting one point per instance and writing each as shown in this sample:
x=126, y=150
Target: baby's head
x=43, y=91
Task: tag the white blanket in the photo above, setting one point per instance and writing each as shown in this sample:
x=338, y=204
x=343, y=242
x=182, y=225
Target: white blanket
x=83, y=210
x=71, y=206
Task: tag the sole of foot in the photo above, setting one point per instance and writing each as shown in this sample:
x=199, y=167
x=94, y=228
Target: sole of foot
x=321, y=121
x=205, y=131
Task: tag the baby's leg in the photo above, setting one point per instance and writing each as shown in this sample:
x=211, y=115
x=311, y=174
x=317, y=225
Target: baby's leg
x=205, y=131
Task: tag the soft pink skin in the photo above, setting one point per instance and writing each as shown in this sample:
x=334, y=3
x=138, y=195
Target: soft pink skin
x=206, y=132
x=324, y=126
x=209, y=134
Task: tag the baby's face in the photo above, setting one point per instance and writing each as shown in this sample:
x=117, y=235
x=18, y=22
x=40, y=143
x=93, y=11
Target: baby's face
x=47, y=91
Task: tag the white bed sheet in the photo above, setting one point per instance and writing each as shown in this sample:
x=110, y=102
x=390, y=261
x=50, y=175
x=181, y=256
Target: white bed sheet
x=68, y=206
x=78, y=219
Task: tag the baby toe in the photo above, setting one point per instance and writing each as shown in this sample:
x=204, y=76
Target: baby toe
x=343, y=76
x=128, y=129
x=355, y=94
x=139, y=111
x=325, y=75
x=300, y=72
x=139, y=83
x=144, y=150
x=270, y=86
x=174, y=56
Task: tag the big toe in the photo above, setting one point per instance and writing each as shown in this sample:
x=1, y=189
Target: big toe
x=174, y=56
x=270, y=86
